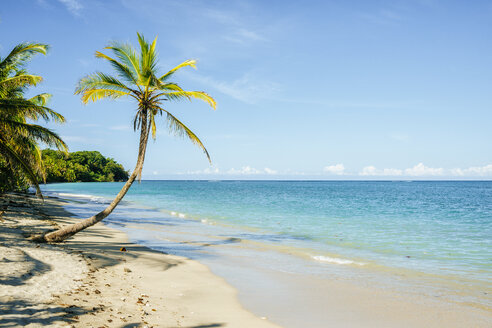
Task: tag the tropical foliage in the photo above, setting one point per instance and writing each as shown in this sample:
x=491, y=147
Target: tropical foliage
x=136, y=77
x=81, y=166
x=20, y=160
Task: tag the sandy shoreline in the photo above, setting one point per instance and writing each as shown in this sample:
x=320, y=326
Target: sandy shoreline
x=88, y=282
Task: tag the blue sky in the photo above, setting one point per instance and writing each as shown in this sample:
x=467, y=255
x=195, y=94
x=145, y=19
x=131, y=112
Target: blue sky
x=305, y=90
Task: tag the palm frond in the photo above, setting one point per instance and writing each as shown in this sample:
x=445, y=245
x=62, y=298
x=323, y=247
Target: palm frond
x=41, y=99
x=179, y=95
x=126, y=53
x=189, y=62
x=99, y=85
x=148, y=62
x=100, y=80
x=97, y=94
x=36, y=132
x=179, y=129
x=19, y=81
x=123, y=70
x=29, y=109
x=20, y=162
x=23, y=52
x=169, y=86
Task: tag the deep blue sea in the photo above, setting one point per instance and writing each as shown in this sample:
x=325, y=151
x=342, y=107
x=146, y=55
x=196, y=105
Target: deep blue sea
x=434, y=233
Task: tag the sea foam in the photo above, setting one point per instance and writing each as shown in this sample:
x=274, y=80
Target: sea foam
x=92, y=198
x=335, y=260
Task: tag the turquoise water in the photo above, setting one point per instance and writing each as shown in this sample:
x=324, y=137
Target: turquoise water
x=440, y=230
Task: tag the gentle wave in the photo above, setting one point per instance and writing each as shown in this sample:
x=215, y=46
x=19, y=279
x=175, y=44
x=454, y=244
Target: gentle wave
x=179, y=215
x=335, y=260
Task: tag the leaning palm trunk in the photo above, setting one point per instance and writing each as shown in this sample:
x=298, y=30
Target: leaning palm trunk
x=68, y=231
x=139, y=72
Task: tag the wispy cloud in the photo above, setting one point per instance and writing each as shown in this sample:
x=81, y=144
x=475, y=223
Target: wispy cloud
x=74, y=6
x=90, y=125
x=120, y=128
x=220, y=16
x=348, y=104
x=382, y=17
x=244, y=36
x=247, y=88
x=86, y=62
x=74, y=139
x=237, y=29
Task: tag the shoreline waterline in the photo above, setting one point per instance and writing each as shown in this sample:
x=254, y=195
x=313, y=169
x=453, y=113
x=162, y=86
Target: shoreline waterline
x=220, y=247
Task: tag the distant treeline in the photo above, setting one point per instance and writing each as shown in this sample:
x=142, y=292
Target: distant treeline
x=85, y=166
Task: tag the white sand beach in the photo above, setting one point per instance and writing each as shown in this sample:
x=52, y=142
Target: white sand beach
x=88, y=282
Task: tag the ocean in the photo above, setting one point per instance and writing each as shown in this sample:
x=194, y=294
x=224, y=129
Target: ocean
x=425, y=237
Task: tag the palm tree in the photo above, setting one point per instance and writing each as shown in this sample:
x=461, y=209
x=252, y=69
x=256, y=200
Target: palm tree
x=137, y=77
x=18, y=138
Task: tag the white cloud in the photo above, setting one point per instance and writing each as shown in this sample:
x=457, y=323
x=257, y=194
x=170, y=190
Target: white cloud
x=208, y=170
x=373, y=171
x=421, y=170
x=418, y=170
x=245, y=170
x=473, y=171
x=337, y=169
x=73, y=6
x=248, y=170
x=369, y=170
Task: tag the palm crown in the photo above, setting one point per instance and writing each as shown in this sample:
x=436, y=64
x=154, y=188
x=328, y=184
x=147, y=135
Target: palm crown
x=138, y=78
x=18, y=137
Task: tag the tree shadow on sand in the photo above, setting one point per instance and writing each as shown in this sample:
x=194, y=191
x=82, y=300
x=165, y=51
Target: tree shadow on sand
x=34, y=267
x=20, y=313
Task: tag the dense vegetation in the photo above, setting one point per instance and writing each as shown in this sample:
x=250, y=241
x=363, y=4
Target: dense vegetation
x=85, y=166
x=20, y=156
